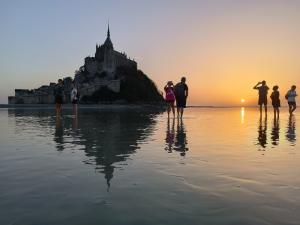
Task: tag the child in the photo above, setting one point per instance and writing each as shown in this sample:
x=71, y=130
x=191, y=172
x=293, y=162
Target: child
x=275, y=100
x=170, y=97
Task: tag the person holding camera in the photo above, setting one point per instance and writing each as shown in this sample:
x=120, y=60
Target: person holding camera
x=262, y=95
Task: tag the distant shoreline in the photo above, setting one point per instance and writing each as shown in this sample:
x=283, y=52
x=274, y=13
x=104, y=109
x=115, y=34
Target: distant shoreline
x=107, y=106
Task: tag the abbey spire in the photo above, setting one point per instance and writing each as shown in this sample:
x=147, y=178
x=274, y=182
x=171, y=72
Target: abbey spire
x=108, y=44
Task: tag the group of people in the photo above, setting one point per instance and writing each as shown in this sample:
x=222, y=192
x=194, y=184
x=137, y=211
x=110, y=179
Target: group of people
x=178, y=93
x=263, y=89
x=59, y=96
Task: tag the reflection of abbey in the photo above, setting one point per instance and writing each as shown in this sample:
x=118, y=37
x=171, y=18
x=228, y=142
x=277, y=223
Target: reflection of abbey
x=96, y=73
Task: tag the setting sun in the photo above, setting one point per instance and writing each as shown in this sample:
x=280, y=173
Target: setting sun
x=242, y=100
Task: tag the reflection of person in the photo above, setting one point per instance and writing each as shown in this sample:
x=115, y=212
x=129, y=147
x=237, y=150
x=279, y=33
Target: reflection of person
x=275, y=131
x=180, y=138
x=275, y=100
x=170, y=97
x=262, y=132
x=291, y=98
x=74, y=98
x=170, y=135
x=181, y=94
x=290, y=133
x=262, y=95
x=58, y=136
x=58, y=94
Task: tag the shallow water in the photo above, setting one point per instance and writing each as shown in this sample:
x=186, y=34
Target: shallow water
x=216, y=166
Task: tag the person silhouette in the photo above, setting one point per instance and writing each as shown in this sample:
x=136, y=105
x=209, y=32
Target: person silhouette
x=291, y=98
x=262, y=95
x=275, y=101
x=170, y=97
x=181, y=94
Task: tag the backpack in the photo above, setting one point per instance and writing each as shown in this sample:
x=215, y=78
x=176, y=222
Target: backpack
x=170, y=96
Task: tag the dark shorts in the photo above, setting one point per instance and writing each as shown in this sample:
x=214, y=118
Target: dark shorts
x=75, y=101
x=292, y=104
x=262, y=101
x=276, y=104
x=58, y=99
x=181, y=102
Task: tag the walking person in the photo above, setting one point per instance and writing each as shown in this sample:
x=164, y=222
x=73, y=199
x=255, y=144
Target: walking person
x=275, y=101
x=170, y=97
x=74, y=98
x=291, y=98
x=181, y=94
x=262, y=95
x=58, y=94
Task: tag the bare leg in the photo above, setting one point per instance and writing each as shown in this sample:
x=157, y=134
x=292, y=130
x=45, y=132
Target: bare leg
x=173, y=108
x=169, y=109
x=266, y=109
x=294, y=108
x=260, y=109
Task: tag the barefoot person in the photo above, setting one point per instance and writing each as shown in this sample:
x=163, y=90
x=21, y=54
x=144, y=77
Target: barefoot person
x=181, y=94
x=262, y=95
x=170, y=97
x=275, y=101
x=291, y=98
x=58, y=94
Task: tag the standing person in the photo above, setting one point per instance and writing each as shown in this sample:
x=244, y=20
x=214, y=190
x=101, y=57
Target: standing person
x=170, y=97
x=74, y=98
x=58, y=94
x=275, y=101
x=181, y=94
x=262, y=95
x=291, y=98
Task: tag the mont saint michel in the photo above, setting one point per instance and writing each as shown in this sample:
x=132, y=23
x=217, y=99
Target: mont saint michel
x=109, y=76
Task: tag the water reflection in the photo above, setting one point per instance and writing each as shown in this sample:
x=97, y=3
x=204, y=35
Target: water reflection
x=170, y=135
x=242, y=115
x=176, y=141
x=291, y=130
x=262, y=131
x=107, y=138
x=275, y=131
x=59, y=134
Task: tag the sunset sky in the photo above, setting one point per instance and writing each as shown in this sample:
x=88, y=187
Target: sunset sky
x=223, y=47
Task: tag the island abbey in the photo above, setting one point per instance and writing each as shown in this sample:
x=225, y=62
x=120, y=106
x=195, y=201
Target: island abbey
x=98, y=72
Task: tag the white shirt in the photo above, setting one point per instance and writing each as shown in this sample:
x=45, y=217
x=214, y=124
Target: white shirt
x=291, y=96
x=74, y=94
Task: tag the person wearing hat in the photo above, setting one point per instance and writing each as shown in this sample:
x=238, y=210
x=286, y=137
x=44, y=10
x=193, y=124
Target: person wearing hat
x=170, y=97
x=262, y=95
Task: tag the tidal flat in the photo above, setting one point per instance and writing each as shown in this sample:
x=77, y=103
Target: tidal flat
x=216, y=166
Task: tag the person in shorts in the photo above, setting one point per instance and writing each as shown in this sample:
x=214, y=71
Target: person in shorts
x=170, y=97
x=181, y=94
x=291, y=98
x=262, y=95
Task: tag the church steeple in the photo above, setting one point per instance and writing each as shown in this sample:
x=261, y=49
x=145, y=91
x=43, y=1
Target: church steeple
x=108, y=32
x=108, y=44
